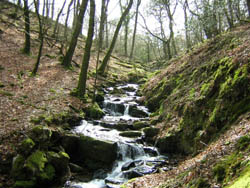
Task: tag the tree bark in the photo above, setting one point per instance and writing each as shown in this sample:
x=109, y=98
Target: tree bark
x=104, y=64
x=81, y=88
x=248, y=8
x=77, y=30
x=188, y=42
x=106, y=26
x=18, y=6
x=135, y=29
x=26, y=48
x=100, y=43
x=53, y=9
x=41, y=35
x=57, y=19
x=66, y=21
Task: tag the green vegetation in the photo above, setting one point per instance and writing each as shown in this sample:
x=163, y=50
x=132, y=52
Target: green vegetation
x=205, y=96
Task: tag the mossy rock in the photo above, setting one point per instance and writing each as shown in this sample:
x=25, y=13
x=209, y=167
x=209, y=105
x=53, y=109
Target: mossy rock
x=151, y=131
x=25, y=184
x=134, y=111
x=140, y=125
x=60, y=161
x=131, y=134
x=48, y=174
x=27, y=146
x=96, y=153
x=94, y=111
x=99, y=97
x=70, y=143
x=35, y=163
x=122, y=126
x=17, y=170
x=41, y=134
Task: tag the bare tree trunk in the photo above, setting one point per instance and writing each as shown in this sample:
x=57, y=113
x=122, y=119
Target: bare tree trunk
x=66, y=21
x=81, y=88
x=18, y=6
x=104, y=64
x=53, y=9
x=248, y=7
x=57, y=20
x=126, y=36
x=135, y=28
x=100, y=44
x=188, y=42
x=26, y=48
x=170, y=16
x=69, y=54
x=47, y=9
x=41, y=35
x=102, y=23
x=106, y=26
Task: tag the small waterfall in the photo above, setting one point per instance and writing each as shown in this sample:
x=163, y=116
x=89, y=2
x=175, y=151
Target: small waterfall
x=127, y=151
x=133, y=159
x=126, y=112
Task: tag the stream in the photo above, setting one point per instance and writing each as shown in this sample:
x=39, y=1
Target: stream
x=134, y=157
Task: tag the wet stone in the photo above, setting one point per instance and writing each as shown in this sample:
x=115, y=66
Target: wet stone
x=128, y=165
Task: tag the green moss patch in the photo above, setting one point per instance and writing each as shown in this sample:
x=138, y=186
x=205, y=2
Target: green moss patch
x=243, y=181
x=37, y=161
x=205, y=92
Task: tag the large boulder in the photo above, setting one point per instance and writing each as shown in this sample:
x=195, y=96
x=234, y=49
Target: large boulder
x=70, y=143
x=97, y=153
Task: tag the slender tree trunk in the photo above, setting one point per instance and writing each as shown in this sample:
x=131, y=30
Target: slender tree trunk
x=66, y=21
x=18, y=6
x=53, y=9
x=248, y=7
x=126, y=36
x=106, y=26
x=102, y=23
x=81, y=88
x=135, y=29
x=26, y=48
x=41, y=34
x=100, y=44
x=188, y=42
x=47, y=9
x=172, y=39
x=69, y=54
x=118, y=27
x=230, y=7
x=57, y=19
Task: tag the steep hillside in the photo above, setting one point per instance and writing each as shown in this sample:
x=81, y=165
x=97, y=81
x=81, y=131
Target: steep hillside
x=27, y=100
x=201, y=104
x=201, y=93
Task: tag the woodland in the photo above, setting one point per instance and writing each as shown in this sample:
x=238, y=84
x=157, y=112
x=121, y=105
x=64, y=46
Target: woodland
x=126, y=93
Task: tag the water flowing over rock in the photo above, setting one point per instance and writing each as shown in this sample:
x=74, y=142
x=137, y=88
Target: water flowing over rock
x=117, y=140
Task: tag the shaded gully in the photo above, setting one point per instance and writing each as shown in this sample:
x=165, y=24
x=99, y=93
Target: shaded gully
x=134, y=157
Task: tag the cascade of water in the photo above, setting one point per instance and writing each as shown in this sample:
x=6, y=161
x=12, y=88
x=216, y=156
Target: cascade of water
x=126, y=112
x=132, y=158
x=127, y=151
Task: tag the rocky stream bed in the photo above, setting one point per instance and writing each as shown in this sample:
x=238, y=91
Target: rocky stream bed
x=101, y=152
x=123, y=127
